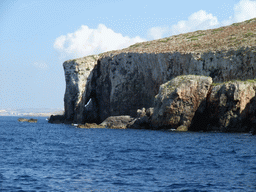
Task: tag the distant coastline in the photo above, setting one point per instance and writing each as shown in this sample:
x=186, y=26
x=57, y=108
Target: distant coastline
x=44, y=112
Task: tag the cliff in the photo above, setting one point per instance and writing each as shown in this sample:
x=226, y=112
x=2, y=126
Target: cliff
x=123, y=81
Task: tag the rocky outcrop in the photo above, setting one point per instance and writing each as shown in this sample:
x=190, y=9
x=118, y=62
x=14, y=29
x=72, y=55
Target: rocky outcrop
x=27, y=120
x=119, y=84
x=178, y=100
x=90, y=125
x=231, y=107
x=117, y=122
x=194, y=103
x=143, y=120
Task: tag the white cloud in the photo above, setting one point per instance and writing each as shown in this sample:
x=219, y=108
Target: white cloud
x=201, y=20
x=197, y=21
x=86, y=41
x=244, y=10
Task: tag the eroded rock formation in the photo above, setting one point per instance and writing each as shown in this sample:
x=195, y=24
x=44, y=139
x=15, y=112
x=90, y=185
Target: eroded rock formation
x=231, y=106
x=27, y=120
x=179, y=99
x=122, y=83
x=77, y=75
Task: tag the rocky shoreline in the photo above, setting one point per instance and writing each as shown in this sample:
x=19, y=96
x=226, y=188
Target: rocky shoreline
x=164, y=85
x=192, y=103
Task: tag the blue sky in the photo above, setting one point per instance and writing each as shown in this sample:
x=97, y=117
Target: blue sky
x=37, y=36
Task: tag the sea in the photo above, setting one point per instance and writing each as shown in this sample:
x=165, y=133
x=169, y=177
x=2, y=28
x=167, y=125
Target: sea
x=57, y=157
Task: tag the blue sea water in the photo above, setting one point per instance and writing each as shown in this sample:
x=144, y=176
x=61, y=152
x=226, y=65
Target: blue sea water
x=49, y=157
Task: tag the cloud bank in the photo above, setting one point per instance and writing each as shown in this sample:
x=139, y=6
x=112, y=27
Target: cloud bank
x=201, y=20
x=86, y=41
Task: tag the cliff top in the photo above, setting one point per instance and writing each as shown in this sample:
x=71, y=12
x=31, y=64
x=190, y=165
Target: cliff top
x=234, y=36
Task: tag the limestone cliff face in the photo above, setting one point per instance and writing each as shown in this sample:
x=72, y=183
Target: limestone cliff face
x=119, y=84
x=77, y=74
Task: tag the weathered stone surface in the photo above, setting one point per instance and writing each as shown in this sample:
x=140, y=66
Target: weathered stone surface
x=117, y=122
x=77, y=75
x=141, y=112
x=27, y=120
x=119, y=84
x=90, y=125
x=182, y=128
x=143, y=120
x=231, y=107
x=178, y=100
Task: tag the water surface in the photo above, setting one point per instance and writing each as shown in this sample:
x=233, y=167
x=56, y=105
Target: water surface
x=50, y=157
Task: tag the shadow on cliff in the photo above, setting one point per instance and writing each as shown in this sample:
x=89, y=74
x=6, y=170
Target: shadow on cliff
x=249, y=122
x=91, y=112
x=228, y=118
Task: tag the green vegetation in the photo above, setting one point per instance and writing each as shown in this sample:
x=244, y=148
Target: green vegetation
x=237, y=80
x=251, y=80
x=196, y=45
x=232, y=38
x=135, y=45
x=164, y=40
x=215, y=84
x=195, y=36
x=248, y=21
x=248, y=34
x=217, y=30
x=87, y=69
x=235, y=24
x=147, y=45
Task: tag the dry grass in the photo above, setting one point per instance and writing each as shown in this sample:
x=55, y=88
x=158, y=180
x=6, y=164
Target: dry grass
x=234, y=37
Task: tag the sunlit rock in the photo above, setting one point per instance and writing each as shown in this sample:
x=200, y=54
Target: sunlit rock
x=178, y=100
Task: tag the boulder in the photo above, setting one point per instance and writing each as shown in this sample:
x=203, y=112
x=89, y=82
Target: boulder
x=182, y=128
x=141, y=112
x=178, y=100
x=231, y=107
x=143, y=119
x=117, y=122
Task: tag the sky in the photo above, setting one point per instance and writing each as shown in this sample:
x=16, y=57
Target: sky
x=37, y=36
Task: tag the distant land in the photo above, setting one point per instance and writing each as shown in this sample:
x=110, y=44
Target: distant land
x=43, y=112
